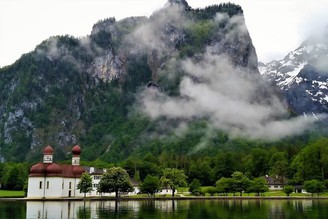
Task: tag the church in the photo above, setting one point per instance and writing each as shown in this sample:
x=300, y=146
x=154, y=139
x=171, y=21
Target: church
x=48, y=180
x=51, y=180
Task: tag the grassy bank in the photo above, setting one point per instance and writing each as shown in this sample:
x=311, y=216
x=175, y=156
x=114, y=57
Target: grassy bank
x=11, y=194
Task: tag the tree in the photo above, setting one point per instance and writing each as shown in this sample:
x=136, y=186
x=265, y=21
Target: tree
x=194, y=187
x=85, y=184
x=279, y=166
x=14, y=176
x=314, y=186
x=256, y=162
x=288, y=189
x=224, y=165
x=258, y=185
x=173, y=178
x=225, y=185
x=240, y=181
x=150, y=185
x=115, y=179
x=312, y=161
x=201, y=170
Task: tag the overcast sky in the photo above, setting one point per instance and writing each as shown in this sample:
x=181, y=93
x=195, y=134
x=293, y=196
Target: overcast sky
x=276, y=26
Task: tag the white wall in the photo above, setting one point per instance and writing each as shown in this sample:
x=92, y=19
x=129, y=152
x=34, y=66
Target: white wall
x=53, y=187
x=33, y=190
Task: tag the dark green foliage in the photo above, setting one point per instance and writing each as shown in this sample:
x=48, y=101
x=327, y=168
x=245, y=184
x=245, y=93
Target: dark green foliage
x=150, y=185
x=288, y=189
x=139, y=73
x=116, y=180
x=312, y=161
x=210, y=11
x=314, y=186
x=225, y=185
x=194, y=187
x=13, y=176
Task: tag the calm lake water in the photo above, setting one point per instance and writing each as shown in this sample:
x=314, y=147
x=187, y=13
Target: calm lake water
x=166, y=209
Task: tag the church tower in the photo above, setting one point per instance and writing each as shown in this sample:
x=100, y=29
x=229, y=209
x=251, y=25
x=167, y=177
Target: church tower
x=48, y=154
x=76, y=151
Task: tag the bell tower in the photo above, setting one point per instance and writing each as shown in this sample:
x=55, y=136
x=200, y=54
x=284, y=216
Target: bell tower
x=48, y=154
x=76, y=151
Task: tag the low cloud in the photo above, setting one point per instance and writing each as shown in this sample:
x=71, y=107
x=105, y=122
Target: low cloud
x=230, y=98
x=153, y=35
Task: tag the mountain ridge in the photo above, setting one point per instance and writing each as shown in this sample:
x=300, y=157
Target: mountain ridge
x=302, y=76
x=206, y=89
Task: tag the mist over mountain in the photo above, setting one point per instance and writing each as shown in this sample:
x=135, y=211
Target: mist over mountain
x=179, y=82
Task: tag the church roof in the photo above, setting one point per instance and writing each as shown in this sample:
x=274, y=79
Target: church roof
x=56, y=170
x=76, y=150
x=48, y=150
x=49, y=169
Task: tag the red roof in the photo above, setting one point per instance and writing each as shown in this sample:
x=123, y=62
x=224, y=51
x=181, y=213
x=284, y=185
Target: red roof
x=76, y=150
x=55, y=170
x=48, y=150
x=38, y=169
x=71, y=171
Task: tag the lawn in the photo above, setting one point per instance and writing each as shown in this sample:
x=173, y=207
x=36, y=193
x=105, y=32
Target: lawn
x=11, y=194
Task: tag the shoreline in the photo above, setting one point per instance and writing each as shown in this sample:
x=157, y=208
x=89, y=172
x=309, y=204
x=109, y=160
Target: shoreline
x=171, y=198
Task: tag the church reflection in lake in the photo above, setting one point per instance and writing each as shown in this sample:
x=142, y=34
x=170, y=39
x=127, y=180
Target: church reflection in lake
x=201, y=208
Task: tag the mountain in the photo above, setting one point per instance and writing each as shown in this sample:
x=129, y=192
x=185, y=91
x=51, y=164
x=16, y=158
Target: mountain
x=89, y=90
x=302, y=76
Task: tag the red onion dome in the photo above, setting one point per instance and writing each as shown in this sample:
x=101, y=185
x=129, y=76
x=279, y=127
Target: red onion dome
x=76, y=150
x=37, y=169
x=78, y=170
x=54, y=170
x=48, y=150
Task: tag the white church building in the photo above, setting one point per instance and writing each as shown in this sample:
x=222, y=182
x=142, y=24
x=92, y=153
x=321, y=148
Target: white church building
x=51, y=180
x=48, y=180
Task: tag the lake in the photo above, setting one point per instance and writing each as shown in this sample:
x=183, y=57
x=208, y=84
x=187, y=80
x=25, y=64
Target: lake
x=305, y=208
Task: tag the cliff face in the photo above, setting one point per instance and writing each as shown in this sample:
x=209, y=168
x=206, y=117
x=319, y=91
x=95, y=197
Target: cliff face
x=70, y=90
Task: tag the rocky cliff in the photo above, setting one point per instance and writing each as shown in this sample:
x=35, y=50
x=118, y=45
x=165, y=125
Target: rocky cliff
x=71, y=90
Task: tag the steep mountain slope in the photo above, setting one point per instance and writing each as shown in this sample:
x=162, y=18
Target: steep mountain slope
x=303, y=76
x=89, y=90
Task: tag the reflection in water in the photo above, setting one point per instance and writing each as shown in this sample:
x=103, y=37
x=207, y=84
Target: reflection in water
x=172, y=209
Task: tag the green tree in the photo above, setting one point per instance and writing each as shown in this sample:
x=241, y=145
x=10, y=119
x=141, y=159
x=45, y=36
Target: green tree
x=314, y=186
x=201, y=170
x=225, y=185
x=224, y=165
x=288, y=189
x=240, y=181
x=173, y=178
x=256, y=162
x=150, y=185
x=85, y=183
x=14, y=176
x=258, y=185
x=279, y=166
x=312, y=161
x=194, y=187
x=115, y=179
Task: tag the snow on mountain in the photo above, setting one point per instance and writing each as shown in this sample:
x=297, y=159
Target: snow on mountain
x=302, y=76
